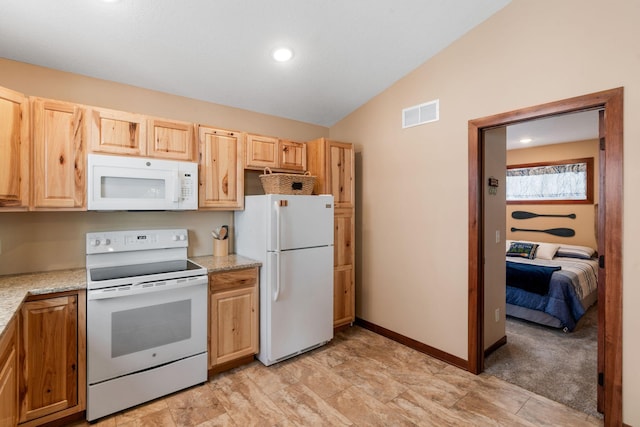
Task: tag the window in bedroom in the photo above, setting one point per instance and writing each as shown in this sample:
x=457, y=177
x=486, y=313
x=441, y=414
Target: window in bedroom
x=565, y=181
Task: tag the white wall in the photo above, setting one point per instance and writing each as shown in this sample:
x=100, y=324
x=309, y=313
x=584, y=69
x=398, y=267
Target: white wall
x=529, y=53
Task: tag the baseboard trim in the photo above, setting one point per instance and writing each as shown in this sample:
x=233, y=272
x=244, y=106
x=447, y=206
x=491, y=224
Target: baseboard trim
x=337, y=329
x=230, y=365
x=416, y=345
x=496, y=345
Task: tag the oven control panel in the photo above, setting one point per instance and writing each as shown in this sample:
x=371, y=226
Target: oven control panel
x=135, y=240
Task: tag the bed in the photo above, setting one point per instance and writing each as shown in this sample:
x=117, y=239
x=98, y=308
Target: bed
x=552, y=284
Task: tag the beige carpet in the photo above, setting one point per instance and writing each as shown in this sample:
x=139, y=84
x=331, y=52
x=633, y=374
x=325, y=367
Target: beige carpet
x=560, y=366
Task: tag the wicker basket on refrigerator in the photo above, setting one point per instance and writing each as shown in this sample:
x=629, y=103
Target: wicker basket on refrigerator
x=287, y=183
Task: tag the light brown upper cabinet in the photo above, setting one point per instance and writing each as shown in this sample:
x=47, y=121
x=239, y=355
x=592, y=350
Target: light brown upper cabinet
x=170, y=139
x=332, y=163
x=117, y=132
x=277, y=154
x=221, y=175
x=293, y=155
x=59, y=131
x=14, y=146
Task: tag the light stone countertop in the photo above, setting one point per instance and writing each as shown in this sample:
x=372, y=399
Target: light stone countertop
x=225, y=263
x=14, y=288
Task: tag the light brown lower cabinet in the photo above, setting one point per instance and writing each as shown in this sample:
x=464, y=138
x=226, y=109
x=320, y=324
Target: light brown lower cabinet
x=8, y=377
x=233, y=317
x=343, y=268
x=51, y=358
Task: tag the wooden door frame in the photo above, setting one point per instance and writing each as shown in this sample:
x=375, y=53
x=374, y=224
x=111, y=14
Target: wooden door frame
x=612, y=103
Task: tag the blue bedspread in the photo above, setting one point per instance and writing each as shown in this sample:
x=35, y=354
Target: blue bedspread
x=561, y=301
x=531, y=278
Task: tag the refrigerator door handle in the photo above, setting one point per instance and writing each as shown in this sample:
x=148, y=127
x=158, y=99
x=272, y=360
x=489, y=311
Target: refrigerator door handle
x=278, y=243
x=276, y=295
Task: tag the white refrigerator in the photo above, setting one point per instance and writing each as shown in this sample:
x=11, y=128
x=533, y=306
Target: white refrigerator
x=293, y=238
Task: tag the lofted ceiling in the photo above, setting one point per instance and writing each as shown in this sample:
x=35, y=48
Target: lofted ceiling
x=345, y=51
x=580, y=126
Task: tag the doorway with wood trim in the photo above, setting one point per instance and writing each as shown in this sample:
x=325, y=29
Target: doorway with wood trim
x=610, y=245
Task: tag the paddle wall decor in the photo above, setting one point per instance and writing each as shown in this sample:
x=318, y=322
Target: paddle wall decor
x=560, y=232
x=529, y=215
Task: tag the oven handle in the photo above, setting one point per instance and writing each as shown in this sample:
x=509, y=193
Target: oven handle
x=146, y=288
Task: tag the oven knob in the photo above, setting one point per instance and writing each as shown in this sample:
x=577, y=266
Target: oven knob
x=107, y=241
x=183, y=237
x=95, y=242
x=174, y=237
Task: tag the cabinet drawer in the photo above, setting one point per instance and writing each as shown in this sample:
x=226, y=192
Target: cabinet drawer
x=233, y=279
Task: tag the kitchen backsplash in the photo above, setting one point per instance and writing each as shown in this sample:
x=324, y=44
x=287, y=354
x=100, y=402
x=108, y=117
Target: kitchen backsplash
x=43, y=241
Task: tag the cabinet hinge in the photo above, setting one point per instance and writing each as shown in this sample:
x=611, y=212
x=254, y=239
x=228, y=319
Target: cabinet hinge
x=601, y=261
x=601, y=378
x=602, y=144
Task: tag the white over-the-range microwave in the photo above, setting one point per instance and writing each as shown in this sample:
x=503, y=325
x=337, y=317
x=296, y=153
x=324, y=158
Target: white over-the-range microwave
x=140, y=184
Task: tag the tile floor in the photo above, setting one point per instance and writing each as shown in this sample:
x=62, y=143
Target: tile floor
x=361, y=379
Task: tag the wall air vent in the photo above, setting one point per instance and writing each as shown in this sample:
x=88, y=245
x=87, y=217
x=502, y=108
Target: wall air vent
x=421, y=114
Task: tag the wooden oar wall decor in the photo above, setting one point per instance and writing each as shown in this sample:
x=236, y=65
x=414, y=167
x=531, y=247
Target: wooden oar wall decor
x=561, y=232
x=528, y=215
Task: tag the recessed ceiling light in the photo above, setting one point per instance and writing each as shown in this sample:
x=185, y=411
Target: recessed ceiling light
x=526, y=140
x=282, y=54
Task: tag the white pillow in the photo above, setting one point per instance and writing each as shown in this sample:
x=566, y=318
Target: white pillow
x=546, y=250
x=575, y=251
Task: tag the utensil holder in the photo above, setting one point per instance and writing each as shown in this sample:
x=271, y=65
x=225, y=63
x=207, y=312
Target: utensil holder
x=220, y=247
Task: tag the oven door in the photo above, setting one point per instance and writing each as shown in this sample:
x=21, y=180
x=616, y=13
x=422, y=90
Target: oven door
x=132, y=328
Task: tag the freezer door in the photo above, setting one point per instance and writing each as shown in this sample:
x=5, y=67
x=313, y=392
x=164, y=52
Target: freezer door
x=299, y=222
x=299, y=308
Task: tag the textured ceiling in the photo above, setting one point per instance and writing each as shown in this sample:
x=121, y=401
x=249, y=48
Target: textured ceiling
x=345, y=51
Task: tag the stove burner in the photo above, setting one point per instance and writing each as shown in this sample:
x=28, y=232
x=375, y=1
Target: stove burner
x=135, y=270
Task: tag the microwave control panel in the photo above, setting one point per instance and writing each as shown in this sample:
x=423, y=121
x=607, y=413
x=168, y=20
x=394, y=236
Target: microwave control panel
x=188, y=186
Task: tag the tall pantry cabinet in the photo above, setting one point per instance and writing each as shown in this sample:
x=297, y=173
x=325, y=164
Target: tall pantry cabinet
x=333, y=165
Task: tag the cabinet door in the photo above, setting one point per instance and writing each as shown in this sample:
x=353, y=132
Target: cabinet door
x=293, y=155
x=221, y=175
x=234, y=325
x=261, y=152
x=8, y=377
x=340, y=170
x=14, y=146
x=117, y=132
x=343, y=262
x=343, y=296
x=343, y=224
x=170, y=139
x=59, y=156
x=48, y=356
